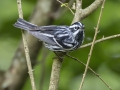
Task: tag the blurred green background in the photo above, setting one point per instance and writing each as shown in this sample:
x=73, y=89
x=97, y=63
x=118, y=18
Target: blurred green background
x=105, y=58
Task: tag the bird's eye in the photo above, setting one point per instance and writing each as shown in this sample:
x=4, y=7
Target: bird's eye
x=77, y=28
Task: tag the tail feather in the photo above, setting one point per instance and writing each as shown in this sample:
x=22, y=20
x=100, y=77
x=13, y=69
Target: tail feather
x=22, y=24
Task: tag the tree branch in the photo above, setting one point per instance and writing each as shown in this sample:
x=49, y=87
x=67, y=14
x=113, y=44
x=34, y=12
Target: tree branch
x=90, y=70
x=100, y=40
x=55, y=74
x=30, y=71
x=78, y=12
x=92, y=46
x=87, y=11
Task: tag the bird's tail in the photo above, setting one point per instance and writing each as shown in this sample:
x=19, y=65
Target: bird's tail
x=22, y=24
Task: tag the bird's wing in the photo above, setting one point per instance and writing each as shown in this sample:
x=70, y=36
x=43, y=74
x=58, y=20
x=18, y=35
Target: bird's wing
x=65, y=39
x=46, y=33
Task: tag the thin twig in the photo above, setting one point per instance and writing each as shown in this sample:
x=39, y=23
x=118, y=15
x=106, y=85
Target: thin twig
x=100, y=40
x=26, y=48
x=90, y=70
x=92, y=46
x=66, y=6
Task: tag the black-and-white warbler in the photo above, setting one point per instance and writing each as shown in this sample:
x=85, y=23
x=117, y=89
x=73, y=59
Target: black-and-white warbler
x=56, y=38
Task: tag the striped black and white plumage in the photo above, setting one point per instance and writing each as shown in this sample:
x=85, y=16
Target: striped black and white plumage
x=56, y=38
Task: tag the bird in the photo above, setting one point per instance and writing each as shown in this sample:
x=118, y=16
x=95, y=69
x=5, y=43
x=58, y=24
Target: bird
x=56, y=38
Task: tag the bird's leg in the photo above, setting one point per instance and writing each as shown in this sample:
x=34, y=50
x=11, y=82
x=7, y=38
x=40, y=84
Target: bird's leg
x=61, y=58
